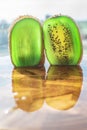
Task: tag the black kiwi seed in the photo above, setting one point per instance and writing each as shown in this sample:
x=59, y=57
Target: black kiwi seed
x=57, y=43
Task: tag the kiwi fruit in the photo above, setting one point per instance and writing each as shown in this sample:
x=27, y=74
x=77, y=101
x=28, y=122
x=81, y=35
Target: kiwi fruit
x=62, y=41
x=26, y=42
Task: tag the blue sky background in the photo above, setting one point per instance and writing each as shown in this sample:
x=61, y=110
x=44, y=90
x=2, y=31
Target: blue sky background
x=11, y=9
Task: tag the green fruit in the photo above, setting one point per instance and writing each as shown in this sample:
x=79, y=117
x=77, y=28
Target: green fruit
x=26, y=44
x=62, y=41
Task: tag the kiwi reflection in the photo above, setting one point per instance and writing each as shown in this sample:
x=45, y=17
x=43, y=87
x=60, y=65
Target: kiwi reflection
x=27, y=88
x=63, y=86
x=60, y=90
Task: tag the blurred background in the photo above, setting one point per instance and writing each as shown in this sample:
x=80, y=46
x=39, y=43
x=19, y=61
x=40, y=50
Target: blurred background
x=42, y=9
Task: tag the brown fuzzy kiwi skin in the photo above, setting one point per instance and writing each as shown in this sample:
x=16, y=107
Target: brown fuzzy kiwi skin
x=59, y=15
x=41, y=63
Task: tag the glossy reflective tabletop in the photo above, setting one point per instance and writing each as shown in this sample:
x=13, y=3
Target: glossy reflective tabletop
x=48, y=98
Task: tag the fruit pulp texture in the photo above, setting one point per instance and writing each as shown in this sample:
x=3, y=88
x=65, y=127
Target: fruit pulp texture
x=26, y=42
x=62, y=41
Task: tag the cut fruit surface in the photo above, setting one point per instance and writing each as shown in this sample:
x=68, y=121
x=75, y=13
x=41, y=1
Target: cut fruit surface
x=62, y=41
x=26, y=44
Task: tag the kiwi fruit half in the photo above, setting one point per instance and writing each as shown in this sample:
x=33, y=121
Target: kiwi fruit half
x=26, y=42
x=62, y=41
